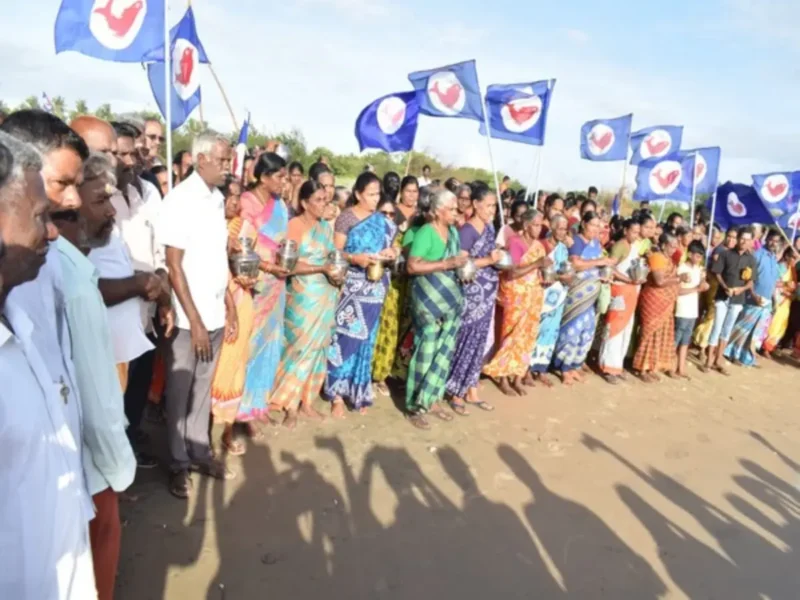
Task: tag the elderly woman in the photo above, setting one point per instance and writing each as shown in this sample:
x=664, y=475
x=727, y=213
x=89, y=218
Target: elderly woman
x=464, y=204
x=365, y=236
x=521, y=298
x=227, y=386
x=578, y=325
x=477, y=239
x=436, y=305
x=265, y=218
x=310, y=306
x=619, y=319
x=553, y=303
x=656, y=350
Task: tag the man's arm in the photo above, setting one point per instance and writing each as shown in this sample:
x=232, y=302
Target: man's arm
x=177, y=277
x=116, y=291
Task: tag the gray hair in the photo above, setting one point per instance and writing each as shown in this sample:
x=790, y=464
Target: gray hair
x=529, y=215
x=464, y=188
x=16, y=157
x=556, y=219
x=99, y=165
x=205, y=142
x=439, y=198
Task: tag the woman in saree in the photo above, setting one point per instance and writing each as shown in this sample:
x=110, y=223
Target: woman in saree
x=783, y=303
x=619, y=318
x=436, y=305
x=264, y=220
x=555, y=297
x=576, y=334
x=310, y=306
x=656, y=350
x=702, y=332
x=476, y=238
x=228, y=383
x=365, y=237
x=396, y=298
x=520, y=297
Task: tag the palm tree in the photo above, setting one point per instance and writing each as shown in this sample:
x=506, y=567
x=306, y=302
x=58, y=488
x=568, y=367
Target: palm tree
x=59, y=106
x=81, y=108
x=31, y=102
x=104, y=112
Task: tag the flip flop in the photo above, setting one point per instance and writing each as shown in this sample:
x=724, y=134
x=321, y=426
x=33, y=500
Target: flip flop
x=235, y=448
x=459, y=408
x=419, y=421
x=482, y=405
x=441, y=415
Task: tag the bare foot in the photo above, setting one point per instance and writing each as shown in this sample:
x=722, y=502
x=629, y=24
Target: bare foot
x=528, y=380
x=253, y=431
x=505, y=387
x=290, y=422
x=543, y=379
x=516, y=385
x=337, y=409
x=363, y=410
x=312, y=413
x=568, y=378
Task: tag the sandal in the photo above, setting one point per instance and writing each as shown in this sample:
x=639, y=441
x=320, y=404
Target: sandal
x=612, y=379
x=460, y=408
x=721, y=370
x=381, y=388
x=419, y=421
x=214, y=469
x=482, y=405
x=441, y=415
x=234, y=448
x=704, y=368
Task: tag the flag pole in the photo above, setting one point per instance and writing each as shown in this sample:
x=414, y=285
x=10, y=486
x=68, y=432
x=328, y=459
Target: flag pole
x=694, y=190
x=625, y=169
x=537, y=155
x=408, y=162
x=224, y=96
x=491, y=155
x=167, y=90
x=711, y=224
x=661, y=214
x=541, y=156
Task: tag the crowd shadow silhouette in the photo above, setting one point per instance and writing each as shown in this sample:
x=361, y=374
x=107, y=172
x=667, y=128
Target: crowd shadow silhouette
x=288, y=531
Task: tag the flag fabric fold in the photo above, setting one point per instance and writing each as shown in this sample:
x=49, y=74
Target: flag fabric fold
x=114, y=30
x=606, y=139
x=518, y=111
x=737, y=205
x=241, y=149
x=450, y=91
x=389, y=123
x=655, y=142
x=669, y=178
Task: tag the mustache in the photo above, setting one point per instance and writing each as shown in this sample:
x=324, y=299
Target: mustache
x=71, y=215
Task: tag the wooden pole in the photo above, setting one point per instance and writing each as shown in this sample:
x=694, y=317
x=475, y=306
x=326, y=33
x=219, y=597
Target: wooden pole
x=408, y=162
x=224, y=97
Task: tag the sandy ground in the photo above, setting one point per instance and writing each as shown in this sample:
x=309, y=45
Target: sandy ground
x=678, y=490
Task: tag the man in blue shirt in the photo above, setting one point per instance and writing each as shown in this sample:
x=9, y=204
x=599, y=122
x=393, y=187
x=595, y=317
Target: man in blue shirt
x=751, y=328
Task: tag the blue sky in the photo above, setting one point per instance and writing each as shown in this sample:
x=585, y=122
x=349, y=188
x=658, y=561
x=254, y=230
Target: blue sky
x=728, y=70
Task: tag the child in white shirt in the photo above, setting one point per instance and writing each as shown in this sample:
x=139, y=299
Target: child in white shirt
x=693, y=282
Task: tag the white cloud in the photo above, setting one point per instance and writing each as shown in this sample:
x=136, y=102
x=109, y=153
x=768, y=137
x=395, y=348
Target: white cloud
x=769, y=21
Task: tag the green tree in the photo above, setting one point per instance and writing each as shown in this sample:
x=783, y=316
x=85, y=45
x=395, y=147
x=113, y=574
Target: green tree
x=81, y=108
x=4, y=108
x=31, y=102
x=59, y=106
x=104, y=112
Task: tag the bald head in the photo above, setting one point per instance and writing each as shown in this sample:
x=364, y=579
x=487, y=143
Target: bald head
x=99, y=135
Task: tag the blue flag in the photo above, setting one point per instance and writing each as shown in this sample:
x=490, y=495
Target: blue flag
x=241, y=149
x=706, y=170
x=450, y=91
x=779, y=191
x=187, y=54
x=615, y=205
x=518, y=112
x=669, y=178
x=389, y=123
x=655, y=142
x=737, y=205
x=606, y=139
x=116, y=30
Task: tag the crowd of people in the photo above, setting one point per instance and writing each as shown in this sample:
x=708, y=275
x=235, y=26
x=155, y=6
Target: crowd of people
x=120, y=297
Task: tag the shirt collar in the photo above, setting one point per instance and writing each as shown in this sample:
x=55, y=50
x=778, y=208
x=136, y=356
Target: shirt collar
x=199, y=187
x=23, y=326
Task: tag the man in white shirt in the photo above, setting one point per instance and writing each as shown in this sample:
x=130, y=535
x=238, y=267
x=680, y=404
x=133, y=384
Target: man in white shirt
x=425, y=179
x=108, y=457
x=45, y=507
x=193, y=230
x=132, y=276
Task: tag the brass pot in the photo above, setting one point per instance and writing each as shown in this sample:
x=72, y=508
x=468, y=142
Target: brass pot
x=375, y=271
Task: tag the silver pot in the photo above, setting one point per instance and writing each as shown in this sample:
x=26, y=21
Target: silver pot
x=505, y=262
x=399, y=265
x=549, y=275
x=245, y=262
x=566, y=269
x=467, y=272
x=337, y=260
x=638, y=270
x=287, y=255
x=607, y=273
